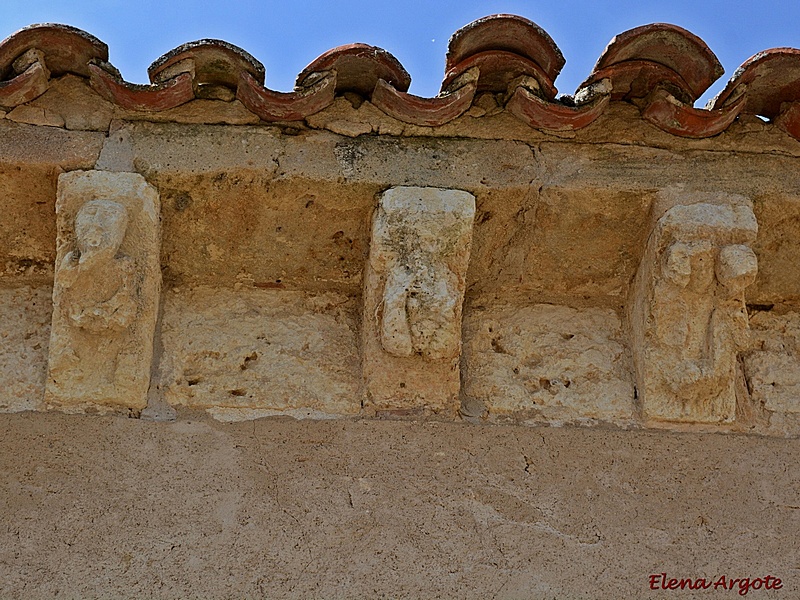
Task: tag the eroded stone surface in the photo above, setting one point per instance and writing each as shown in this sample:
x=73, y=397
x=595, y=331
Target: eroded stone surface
x=414, y=293
x=34, y=115
x=688, y=316
x=260, y=349
x=576, y=239
x=778, y=253
x=773, y=366
x=548, y=361
x=31, y=159
x=105, y=297
x=27, y=229
x=24, y=335
x=74, y=102
x=198, y=111
x=560, y=219
x=415, y=235
x=117, y=153
x=27, y=145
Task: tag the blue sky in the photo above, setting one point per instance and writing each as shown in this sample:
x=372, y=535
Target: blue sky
x=287, y=35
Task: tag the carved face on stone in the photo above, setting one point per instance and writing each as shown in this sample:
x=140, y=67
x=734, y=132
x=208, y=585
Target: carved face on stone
x=100, y=227
x=690, y=265
x=737, y=267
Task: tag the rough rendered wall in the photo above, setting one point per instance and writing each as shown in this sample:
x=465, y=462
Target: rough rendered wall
x=27, y=312
x=278, y=508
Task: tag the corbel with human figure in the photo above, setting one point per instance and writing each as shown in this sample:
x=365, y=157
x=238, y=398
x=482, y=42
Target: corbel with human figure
x=105, y=293
x=688, y=317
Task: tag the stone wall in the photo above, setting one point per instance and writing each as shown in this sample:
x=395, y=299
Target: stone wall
x=353, y=262
x=265, y=250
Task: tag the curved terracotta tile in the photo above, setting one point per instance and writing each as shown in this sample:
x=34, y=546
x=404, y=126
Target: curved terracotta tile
x=671, y=115
x=66, y=49
x=292, y=106
x=789, y=120
x=358, y=68
x=429, y=112
x=766, y=81
x=26, y=86
x=498, y=69
x=510, y=33
x=162, y=96
x=539, y=114
x=668, y=45
x=213, y=62
x=637, y=78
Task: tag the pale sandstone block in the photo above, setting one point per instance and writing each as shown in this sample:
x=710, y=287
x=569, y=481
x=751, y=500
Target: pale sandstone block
x=34, y=115
x=107, y=285
x=547, y=362
x=773, y=366
x=37, y=147
x=251, y=350
x=414, y=292
x=72, y=99
x=117, y=153
x=688, y=317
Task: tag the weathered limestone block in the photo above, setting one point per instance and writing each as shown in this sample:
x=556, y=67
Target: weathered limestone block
x=414, y=292
x=107, y=285
x=547, y=362
x=260, y=350
x=687, y=313
x=773, y=366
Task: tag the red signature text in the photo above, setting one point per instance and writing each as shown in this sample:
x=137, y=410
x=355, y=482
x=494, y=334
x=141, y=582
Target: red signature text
x=742, y=585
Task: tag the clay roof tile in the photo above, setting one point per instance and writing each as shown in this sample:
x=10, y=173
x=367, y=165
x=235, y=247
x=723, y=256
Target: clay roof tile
x=270, y=105
x=358, y=68
x=767, y=80
x=213, y=62
x=498, y=68
x=510, y=33
x=661, y=68
x=66, y=49
x=670, y=46
x=633, y=79
x=427, y=111
x=107, y=82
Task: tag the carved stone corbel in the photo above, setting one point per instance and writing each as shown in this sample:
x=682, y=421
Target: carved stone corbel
x=106, y=291
x=414, y=293
x=687, y=313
